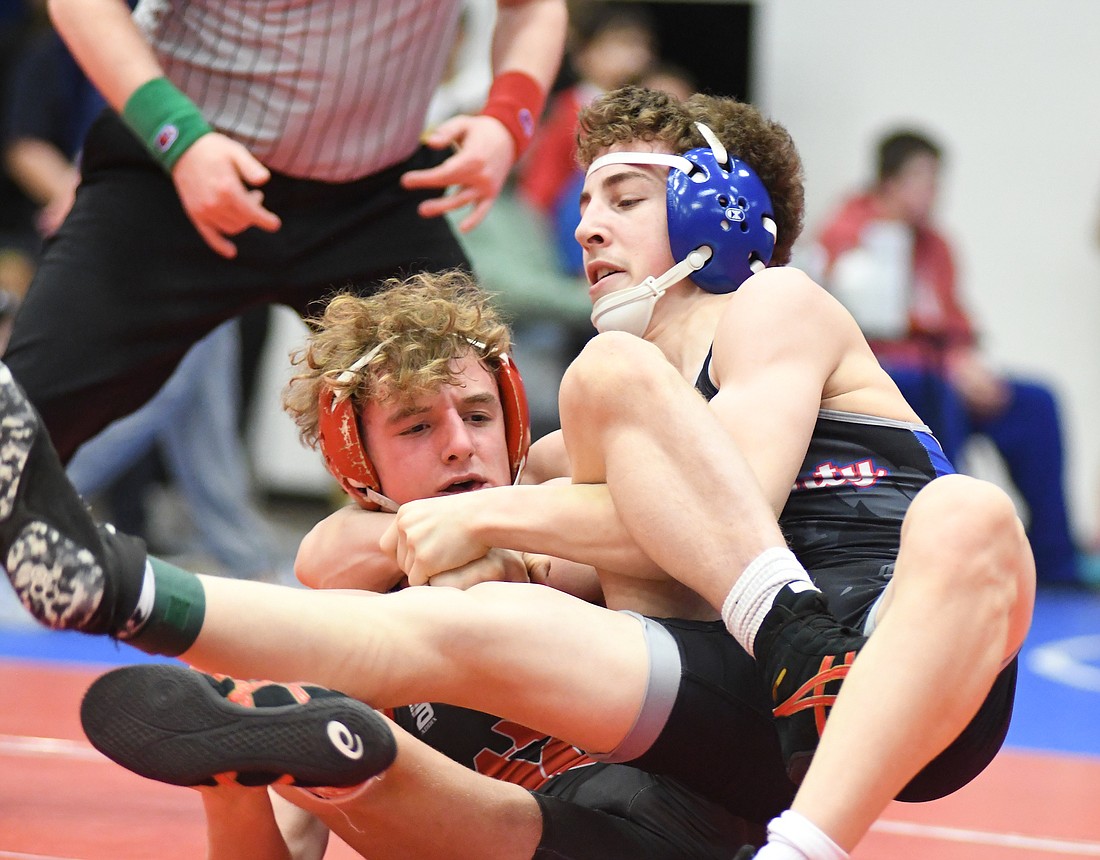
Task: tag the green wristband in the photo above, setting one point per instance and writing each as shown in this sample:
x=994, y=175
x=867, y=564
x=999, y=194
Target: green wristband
x=164, y=119
x=179, y=607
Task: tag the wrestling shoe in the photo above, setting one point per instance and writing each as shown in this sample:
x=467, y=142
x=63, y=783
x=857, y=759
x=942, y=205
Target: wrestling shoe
x=180, y=726
x=805, y=654
x=68, y=572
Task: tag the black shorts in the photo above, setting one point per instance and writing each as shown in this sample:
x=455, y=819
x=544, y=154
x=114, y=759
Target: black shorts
x=616, y=812
x=707, y=721
x=127, y=285
x=715, y=732
x=972, y=751
x=852, y=591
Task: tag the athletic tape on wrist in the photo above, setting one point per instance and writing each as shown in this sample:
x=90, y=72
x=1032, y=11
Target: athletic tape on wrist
x=516, y=99
x=164, y=119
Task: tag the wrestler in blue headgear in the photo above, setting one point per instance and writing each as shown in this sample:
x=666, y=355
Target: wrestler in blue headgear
x=721, y=229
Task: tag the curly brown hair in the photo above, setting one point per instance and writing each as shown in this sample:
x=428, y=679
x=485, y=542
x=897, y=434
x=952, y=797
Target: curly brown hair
x=633, y=113
x=418, y=326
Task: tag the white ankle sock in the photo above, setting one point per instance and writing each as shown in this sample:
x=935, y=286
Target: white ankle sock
x=144, y=607
x=754, y=592
x=794, y=837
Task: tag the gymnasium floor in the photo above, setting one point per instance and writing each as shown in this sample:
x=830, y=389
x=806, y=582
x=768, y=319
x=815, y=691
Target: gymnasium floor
x=1038, y=800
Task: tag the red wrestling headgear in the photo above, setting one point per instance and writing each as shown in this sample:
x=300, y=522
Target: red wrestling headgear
x=345, y=452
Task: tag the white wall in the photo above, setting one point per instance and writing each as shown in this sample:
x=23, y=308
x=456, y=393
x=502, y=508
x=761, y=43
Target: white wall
x=1012, y=90
x=280, y=462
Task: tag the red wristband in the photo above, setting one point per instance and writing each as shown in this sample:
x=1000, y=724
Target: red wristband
x=516, y=99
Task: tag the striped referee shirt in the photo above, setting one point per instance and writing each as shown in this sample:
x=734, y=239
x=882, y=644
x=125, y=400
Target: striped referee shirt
x=331, y=90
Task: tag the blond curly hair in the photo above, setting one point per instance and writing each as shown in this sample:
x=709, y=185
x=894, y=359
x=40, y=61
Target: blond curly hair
x=416, y=327
x=633, y=113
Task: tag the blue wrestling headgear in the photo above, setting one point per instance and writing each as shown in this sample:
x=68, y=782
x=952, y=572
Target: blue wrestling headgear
x=721, y=229
x=720, y=203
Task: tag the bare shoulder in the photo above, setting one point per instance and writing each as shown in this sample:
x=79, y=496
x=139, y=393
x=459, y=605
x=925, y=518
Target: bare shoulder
x=782, y=286
x=783, y=303
x=780, y=322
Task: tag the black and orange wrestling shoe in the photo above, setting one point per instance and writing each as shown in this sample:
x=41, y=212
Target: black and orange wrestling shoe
x=805, y=654
x=183, y=727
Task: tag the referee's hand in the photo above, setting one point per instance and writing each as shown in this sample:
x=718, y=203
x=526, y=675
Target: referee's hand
x=484, y=152
x=216, y=180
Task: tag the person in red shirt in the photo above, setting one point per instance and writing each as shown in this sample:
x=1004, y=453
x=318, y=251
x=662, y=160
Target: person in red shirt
x=895, y=271
x=611, y=50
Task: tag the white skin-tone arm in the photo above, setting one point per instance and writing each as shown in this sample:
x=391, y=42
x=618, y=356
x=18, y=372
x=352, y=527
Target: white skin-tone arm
x=216, y=177
x=529, y=37
x=573, y=521
x=40, y=168
x=342, y=551
x=241, y=824
x=547, y=460
x=770, y=387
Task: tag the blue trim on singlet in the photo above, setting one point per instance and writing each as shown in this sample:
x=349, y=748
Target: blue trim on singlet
x=935, y=453
x=921, y=432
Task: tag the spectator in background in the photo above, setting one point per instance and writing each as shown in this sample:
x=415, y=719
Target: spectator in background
x=895, y=271
x=612, y=46
x=18, y=237
x=668, y=78
x=193, y=422
x=469, y=72
x=661, y=76
x=49, y=106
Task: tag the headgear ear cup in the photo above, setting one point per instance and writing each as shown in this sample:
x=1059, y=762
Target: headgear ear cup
x=725, y=207
x=517, y=417
x=343, y=450
x=345, y=453
x=713, y=201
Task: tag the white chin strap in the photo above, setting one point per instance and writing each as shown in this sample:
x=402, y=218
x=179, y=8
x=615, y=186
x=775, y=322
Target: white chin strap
x=384, y=503
x=630, y=309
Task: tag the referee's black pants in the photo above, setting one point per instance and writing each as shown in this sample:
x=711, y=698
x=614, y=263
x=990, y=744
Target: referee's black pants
x=127, y=285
